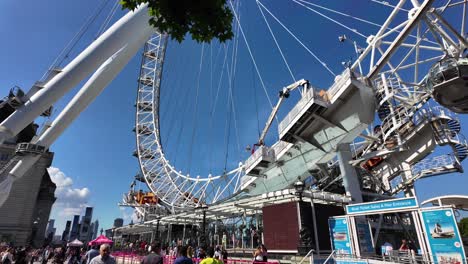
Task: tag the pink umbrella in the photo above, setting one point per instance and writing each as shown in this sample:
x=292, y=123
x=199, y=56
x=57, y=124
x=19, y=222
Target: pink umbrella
x=100, y=240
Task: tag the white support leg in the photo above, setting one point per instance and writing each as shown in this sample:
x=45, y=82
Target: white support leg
x=132, y=26
x=92, y=88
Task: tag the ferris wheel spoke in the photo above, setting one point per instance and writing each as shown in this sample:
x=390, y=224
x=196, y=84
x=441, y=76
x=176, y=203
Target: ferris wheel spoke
x=385, y=3
x=298, y=40
x=276, y=43
x=251, y=54
x=355, y=31
x=405, y=43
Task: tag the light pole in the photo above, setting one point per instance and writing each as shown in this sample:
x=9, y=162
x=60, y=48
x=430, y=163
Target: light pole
x=34, y=231
x=203, y=233
x=157, y=229
x=305, y=238
x=113, y=233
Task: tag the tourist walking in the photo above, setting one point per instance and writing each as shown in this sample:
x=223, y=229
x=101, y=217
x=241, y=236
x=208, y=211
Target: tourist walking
x=264, y=253
x=59, y=256
x=104, y=256
x=183, y=256
x=154, y=257
x=224, y=254
x=257, y=255
x=7, y=256
x=209, y=257
x=92, y=253
x=47, y=254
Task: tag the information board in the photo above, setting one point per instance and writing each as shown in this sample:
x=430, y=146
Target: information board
x=382, y=206
x=442, y=236
x=339, y=234
x=366, y=246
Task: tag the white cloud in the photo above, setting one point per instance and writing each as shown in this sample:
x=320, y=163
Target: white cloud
x=70, y=201
x=59, y=178
x=129, y=215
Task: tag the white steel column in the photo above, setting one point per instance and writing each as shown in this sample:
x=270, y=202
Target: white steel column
x=92, y=88
x=350, y=178
x=132, y=26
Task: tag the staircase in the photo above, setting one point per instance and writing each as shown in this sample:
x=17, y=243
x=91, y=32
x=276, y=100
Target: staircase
x=384, y=107
x=461, y=150
x=446, y=127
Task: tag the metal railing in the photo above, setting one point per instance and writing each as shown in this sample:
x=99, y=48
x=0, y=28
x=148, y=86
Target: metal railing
x=394, y=256
x=262, y=153
x=280, y=146
x=308, y=96
x=394, y=121
x=340, y=80
x=429, y=113
x=309, y=254
x=432, y=163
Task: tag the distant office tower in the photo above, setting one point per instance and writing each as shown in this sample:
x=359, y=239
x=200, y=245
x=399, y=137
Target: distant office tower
x=95, y=229
x=50, y=227
x=85, y=228
x=66, y=232
x=91, y=232
x=118, y=222
x=75, y=230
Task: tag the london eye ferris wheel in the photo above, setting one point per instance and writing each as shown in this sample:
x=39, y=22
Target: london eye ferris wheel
x=300, y=81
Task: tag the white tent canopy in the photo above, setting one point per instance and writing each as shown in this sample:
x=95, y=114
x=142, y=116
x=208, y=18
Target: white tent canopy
x=75, y=243
x=457, y=201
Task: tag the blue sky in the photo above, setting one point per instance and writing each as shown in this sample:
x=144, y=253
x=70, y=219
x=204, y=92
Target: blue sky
x=93, y=162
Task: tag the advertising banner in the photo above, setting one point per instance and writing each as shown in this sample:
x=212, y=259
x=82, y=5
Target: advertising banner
x=442, y=236
x=382, y=206
x=366, y=246
x=339, y=235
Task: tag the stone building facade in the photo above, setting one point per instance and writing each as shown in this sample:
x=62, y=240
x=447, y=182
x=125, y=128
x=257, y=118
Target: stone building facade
x=25, y=213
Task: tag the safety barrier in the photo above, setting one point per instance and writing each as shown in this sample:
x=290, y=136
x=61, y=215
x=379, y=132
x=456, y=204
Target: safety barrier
x=127, y=257
x=132, y=258
x=171, y=260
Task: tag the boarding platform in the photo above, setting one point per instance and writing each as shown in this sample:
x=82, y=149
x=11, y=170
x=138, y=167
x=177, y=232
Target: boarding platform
x=259, y=160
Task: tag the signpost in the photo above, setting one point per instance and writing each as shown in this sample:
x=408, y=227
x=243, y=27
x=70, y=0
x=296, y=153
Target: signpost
x=339, y=235
x=442, y=236
x=386, y=206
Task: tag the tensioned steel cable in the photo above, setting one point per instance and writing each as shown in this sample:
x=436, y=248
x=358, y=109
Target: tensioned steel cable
x=298, y=40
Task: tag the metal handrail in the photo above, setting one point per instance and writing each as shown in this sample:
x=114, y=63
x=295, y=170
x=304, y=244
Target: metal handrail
x=262, y=151
x=340, y=80
x=310, y=254
x=433, y=163
x=308, y=96
x=329, y=257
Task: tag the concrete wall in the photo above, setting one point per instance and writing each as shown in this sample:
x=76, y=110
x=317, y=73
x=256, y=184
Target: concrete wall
x=16, y=214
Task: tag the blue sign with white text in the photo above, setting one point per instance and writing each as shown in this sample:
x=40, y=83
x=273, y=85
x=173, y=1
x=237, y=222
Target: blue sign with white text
x=442, y=234
x=382, y=206
x=364, y=236
x=350, y=261
x=339, y=234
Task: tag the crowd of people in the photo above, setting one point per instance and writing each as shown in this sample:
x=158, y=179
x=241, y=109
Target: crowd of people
x=153, y=253
x=59, y=255
x=198, y=255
